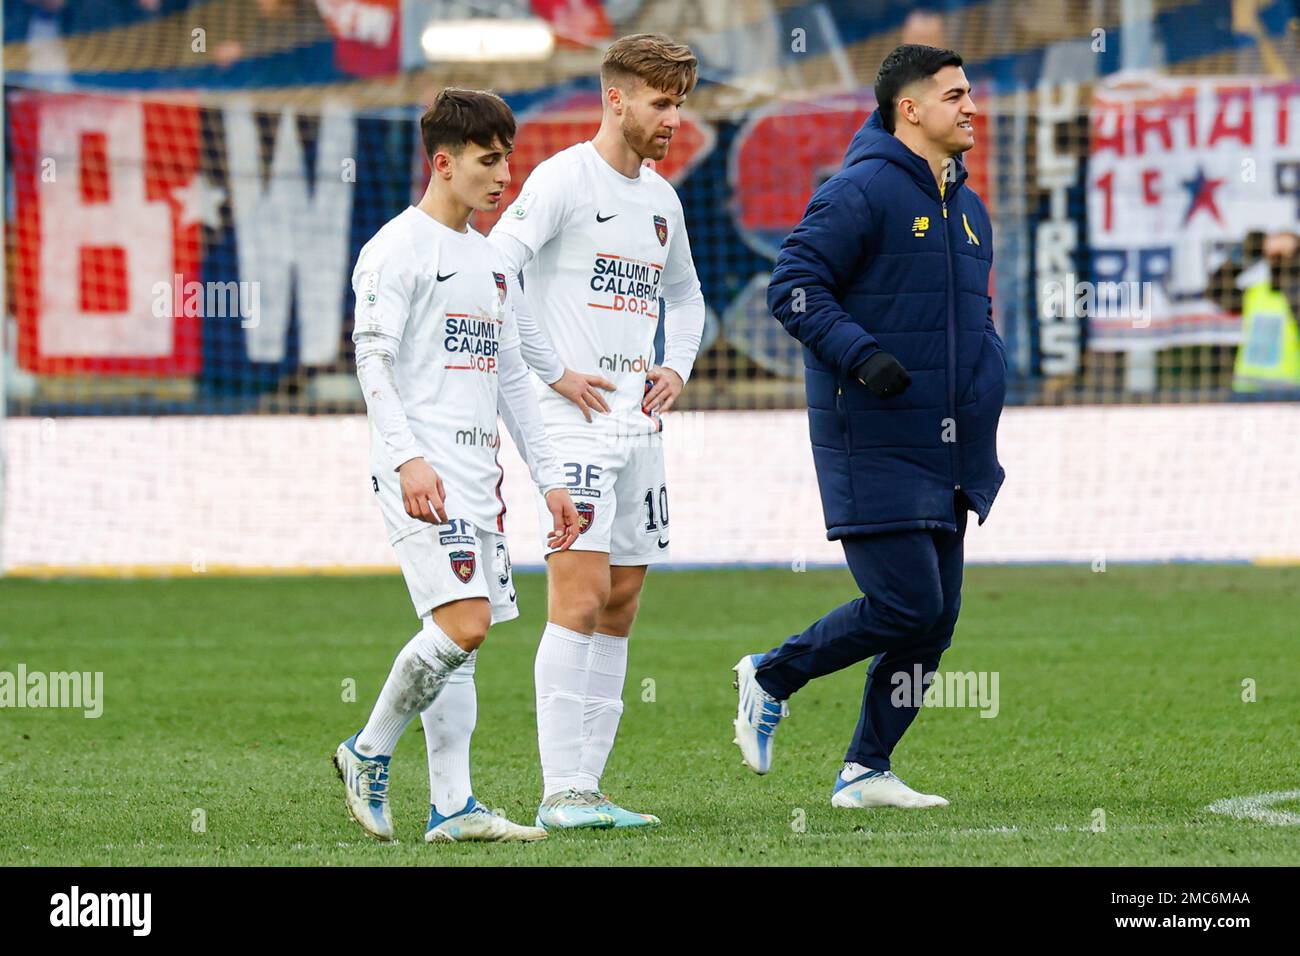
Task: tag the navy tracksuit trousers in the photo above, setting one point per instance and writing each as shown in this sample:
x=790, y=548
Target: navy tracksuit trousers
x=911, y=586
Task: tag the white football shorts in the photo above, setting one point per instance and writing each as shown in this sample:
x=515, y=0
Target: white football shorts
x=619, y=489
x=447, y=562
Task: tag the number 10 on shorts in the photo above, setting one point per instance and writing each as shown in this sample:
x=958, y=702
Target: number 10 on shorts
x=650, y=498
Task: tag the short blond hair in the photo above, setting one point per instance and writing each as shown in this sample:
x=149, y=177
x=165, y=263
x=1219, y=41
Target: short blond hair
x=652, y=58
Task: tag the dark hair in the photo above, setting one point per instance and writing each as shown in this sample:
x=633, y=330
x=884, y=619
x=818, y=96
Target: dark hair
x=458, y=117
x=907, y=64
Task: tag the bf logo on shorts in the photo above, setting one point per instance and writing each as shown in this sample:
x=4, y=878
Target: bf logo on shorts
x=462, y=565
x=586, y=515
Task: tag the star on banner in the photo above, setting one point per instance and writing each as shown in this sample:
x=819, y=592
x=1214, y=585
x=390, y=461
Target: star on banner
x=1201, y=190
x=200, y=201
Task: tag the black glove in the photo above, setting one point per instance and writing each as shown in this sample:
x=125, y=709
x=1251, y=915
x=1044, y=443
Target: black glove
x=883, y=374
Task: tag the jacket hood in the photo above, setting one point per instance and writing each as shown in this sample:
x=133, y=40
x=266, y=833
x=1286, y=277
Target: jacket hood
x=873, y=141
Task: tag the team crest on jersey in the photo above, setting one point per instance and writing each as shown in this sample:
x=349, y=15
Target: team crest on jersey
x=462, y=565
x=661, y=230
x=501, y=286
x=586, y=515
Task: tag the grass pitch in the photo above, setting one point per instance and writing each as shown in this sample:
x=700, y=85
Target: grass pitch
x=224, y=698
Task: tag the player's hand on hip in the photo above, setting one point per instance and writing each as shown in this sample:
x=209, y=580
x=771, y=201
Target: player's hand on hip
x=422, y=491
x=667, y=386
x=565, y=516
x=584, y=391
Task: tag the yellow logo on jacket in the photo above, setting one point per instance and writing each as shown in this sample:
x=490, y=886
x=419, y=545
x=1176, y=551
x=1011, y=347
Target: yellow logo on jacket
x=919, y=225
x=971, y=238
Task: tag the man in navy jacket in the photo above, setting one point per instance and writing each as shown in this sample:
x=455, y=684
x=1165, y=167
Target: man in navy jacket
x=885, y=282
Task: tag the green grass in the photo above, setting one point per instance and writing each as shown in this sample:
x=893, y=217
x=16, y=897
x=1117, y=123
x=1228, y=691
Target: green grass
x=1119, y=691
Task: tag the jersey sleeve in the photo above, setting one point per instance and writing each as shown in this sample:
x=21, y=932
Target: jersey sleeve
x=683, y=304
x=543, y=206
x=536, y=347
x=383, y=286
x=521, y=414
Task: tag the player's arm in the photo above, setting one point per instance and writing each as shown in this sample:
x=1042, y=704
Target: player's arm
x=383, y=306
x=535, y=218
x=683, y=324
x=816, y=261
x=523, y=419
x=534, y=343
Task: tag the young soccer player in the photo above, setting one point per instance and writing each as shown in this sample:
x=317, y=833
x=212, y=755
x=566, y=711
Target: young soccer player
x=599, y=239
x=437, y=356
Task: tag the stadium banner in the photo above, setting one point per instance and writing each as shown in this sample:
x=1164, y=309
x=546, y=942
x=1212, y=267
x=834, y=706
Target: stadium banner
x=166, y=239
x=102, y=214
x=1180, y=169
x=367, y=35
x=179, y=494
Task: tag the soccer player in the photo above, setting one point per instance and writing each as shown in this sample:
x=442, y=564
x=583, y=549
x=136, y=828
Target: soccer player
x=885, y=282
x=599, y=238
x=437, y=355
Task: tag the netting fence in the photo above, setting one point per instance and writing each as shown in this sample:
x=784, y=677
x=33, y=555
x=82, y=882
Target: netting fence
x=188, y=185
x=191, y=251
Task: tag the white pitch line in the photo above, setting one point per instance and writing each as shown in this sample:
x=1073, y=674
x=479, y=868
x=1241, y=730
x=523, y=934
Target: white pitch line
x=1003, y=831
x=1257, y=808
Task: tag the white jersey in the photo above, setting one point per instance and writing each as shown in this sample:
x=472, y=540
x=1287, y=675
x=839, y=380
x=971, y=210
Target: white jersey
x=603, y=253
x=442, y=296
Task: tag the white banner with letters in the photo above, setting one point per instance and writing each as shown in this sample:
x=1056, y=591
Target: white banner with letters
x=1180, y=169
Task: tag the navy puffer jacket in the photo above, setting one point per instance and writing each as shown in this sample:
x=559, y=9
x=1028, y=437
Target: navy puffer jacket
x=882, y=261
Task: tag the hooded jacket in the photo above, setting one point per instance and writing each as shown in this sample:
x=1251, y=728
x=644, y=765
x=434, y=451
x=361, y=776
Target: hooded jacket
x=882, y=260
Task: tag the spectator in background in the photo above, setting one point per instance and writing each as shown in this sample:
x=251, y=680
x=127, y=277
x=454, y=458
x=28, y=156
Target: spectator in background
x=749, y=64
x=44, y=39
x=924, y=27
x=258, y=19
x=1268, y=358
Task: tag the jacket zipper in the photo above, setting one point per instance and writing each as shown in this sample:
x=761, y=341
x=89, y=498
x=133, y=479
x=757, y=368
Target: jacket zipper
x=951, y=369
x=842, y=405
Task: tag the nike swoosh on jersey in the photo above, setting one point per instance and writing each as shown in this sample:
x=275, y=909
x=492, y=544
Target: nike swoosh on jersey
x=444, y=278
x=662, y=545
x=606, y=218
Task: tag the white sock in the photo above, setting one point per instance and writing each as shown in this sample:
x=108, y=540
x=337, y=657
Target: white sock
x=416, y=678
x=606, y=670
x=560, y=677
x=853, y=770
x=448, y=726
